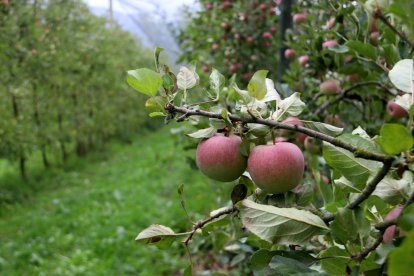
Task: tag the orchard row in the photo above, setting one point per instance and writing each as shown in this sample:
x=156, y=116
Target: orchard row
x=62, y=87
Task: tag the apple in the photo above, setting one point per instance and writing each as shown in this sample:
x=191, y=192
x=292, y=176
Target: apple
x=330, y=23
x=295, y=121
x=209, y=6
x=330, y=87
x=389, y=233
x=373, y=26
x=373, y=37
x=303, y=60
x=299, y=18
x=226, y=5
x=273, y=29
x=352, y=78
x=395, y=110
x=219, y=158
x=263, y=7
x=266, y=35
x=334, y=120
x=290, y=53
x=205, y=68
x=312, y=145
x=249, y=40
x=280, y=139
x=276, y=168
x=329, y=43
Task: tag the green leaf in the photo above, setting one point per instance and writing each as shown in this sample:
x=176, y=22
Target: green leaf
x=156, y=103
x=271, y=93
x=186, y=78
x=356, y=170
x=144, y=81
x=340, y=49
x=391, y=54
x=203, y=133
x=238, y=193
x=348, y=186
x=366, y=50
x=188, y=271
x=402, y=75
x=217, y=123
x=334, y=261
x=157, y=114
x=349, y=225
x=290, y=106
x=280, y=225
x=257, y=85
x=406, y=221
x=401, y=259
x=217, y=81
x=158, y=235
x=288, y=266
x=395, y=139
x=392, y=190
x=324, y=128
x=157, y=53
x=258, y=130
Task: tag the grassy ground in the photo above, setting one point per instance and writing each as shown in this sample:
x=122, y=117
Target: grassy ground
x=82, y=219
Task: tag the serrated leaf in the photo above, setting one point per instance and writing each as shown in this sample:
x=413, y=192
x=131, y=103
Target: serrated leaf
x=344, y=226
x=364, y=49
x=158, y=235
x=217, y=81
x=203, y=133
x=393, y=191
x=402, y=75
x=324, y=128
x=356, y=170
x=257, y=85
x=280, y=225
x=186, y=78
x=271, y=93
x=395, y=138
x=334, y=261
x=144, y=81
x=290, y=106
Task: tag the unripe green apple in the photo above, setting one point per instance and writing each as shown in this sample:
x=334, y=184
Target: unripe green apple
x=330, y=87
x=276, y=168
x=219, y=158
x=395, y=110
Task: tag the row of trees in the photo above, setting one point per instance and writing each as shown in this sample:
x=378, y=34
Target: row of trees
x=62, y=86
x=350, y=212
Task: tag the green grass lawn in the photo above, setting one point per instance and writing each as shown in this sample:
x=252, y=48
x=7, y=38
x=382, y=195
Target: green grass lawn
x=83, y=219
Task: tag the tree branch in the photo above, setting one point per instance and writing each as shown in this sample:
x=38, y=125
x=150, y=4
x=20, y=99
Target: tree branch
x=379, y=15
x=365, y=252
x=200, y=224
x=169, y=107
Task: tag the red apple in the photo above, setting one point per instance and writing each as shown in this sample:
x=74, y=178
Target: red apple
x=395, y=110
x=329, y=43
x=273, y=29
x=205, y=68
x=352, y=78
x=389, y=233
x=276, y=168
x=303, y=60
x=330, y=87
x=290, y=53
x=263, y=6
x=373, y=37
x=226, y=5
x=220, y=159
x=266, y=35
x=330, y=23
x=249, y=40
x=299, y=17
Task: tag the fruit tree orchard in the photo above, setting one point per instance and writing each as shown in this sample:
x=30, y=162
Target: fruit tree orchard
x=323, y=179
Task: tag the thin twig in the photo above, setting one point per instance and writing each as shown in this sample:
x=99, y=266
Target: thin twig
x=379, y=15
x=200, y=224
x=365, y=252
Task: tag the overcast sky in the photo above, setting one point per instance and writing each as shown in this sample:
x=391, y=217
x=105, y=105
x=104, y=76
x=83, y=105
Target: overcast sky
x=169, y=6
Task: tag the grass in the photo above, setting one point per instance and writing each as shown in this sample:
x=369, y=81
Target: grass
x=82, y=219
